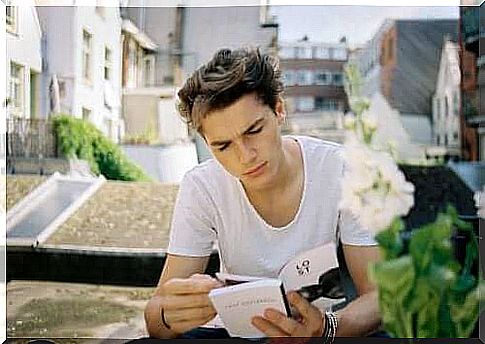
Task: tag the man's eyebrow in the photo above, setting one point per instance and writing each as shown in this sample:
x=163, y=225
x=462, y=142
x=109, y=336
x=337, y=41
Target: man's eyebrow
x=251, y=127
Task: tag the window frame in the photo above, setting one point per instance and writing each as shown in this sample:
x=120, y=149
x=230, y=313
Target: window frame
x=17, y=105
x=108, y=64
x=11, y=21
x=87, y=56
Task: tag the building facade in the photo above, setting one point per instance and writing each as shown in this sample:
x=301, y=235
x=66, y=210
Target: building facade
x=446, y=101
x=82, y=54
x=24, y=61
x=472, y=60
x=187, y=37
x=313, y=76
x=401, y=62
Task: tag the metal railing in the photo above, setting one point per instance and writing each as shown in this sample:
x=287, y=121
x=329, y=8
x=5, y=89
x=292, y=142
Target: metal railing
x=30, y=138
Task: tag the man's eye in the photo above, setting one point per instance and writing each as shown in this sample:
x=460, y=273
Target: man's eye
x=255, y=131
x=223, y=147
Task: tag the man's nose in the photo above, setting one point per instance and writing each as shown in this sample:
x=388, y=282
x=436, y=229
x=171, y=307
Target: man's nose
x=247, y=153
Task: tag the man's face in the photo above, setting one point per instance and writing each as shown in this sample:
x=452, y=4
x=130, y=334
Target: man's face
x=245, y=138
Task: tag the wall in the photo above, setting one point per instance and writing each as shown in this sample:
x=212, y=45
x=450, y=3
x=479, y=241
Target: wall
x=208, y=29
x=24, y=48
x=167, y=164
x=63, y=50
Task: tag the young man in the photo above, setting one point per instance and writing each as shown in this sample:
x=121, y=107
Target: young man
x=264, y=198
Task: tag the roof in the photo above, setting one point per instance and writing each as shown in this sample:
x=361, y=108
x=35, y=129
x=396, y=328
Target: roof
x=142, y=39
x=418, y=53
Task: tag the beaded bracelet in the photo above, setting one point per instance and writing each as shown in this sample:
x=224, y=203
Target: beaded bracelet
x=330, y=330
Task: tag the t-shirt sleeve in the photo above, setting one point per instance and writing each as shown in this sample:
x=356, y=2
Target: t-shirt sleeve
x=352, y=233
x=192, y=230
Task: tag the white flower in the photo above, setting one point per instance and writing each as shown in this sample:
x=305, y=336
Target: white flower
x=349, y=121
x=479, y=198
x=369, y=120
x=374, y=189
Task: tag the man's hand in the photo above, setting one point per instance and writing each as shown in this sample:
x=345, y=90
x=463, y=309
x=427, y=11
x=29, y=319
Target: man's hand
x=185, y=302
x=310, y=322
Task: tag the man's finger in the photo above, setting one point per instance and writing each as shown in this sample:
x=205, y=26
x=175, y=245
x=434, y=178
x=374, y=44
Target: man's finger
x=268, y=328
x=189, y=286
x=311, y=315
x=286, y=324
x=304, y=308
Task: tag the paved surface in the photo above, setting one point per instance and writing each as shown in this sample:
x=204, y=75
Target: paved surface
x=120, y=214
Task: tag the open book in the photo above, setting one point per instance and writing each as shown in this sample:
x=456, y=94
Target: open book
x=314, y=274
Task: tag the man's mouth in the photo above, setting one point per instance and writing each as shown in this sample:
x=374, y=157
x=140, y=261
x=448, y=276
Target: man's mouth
x=255, y=169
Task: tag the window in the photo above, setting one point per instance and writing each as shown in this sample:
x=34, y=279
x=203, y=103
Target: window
x=337, y=79
x=287, y=53
x=456, y=105
x=304, y=77
x=340, y=54
x=86, y=58
x=16, y=90
x=108, y=123
x=148, y=70
x=289, y=78
x=304, y=103
x=107, y=63
x=132, y=65
x=322, y=78
x=438, y=109
x=326, y=104
x=86, y=114
x=11, y=18
x=447, y=110
x=303, y=52
x=321, y=53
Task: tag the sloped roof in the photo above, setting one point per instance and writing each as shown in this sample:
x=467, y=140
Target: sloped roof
x=418, y=44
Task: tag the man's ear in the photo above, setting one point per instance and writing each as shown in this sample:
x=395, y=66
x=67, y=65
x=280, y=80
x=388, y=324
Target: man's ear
x=280, y=110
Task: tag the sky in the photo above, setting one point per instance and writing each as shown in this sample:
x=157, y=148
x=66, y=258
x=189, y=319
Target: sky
x=358, y=23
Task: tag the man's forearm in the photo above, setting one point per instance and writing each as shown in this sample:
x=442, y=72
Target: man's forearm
x=153, y=321
x=361, y=317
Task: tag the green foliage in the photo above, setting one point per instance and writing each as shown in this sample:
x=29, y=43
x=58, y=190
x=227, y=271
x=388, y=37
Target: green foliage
x=423, y=291
x=79, y=139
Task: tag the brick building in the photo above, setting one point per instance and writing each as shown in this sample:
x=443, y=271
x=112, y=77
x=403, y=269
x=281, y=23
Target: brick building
x=472, y=43
x=313, y=76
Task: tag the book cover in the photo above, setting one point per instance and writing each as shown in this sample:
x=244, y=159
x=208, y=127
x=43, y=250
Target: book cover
x=314, y=274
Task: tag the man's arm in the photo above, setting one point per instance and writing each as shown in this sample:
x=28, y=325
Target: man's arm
x=360, y=317
x=174, y=267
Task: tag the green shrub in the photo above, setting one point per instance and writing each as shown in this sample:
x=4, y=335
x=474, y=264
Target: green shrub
x=80, y=139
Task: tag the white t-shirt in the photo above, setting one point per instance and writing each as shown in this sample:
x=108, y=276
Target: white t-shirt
x=212, y=206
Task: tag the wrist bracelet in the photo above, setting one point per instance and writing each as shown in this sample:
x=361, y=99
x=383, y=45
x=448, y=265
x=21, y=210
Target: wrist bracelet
x=162, y=317
x=330, y=330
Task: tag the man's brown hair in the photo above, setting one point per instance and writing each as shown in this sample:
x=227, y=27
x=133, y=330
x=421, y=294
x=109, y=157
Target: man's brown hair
x=228, y=76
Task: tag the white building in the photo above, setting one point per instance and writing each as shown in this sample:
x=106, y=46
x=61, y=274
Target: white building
x=367, y=60
x=82, y=51
x=187, y=37
x=446, y=101
x=24, y=60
